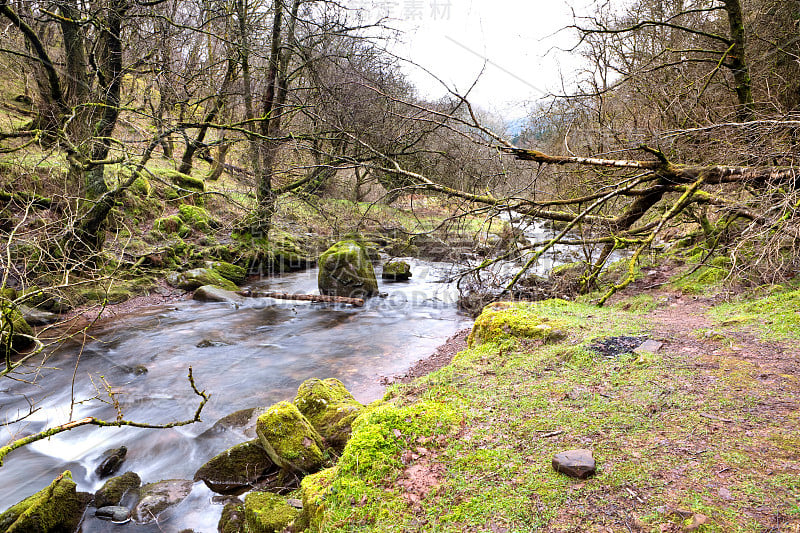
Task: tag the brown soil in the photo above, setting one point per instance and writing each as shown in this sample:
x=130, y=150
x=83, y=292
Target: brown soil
x=438, y=359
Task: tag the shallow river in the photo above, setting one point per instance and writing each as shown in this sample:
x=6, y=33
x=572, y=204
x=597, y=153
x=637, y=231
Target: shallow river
x=261, y=352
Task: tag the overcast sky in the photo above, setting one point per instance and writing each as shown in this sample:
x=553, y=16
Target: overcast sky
x=514, y=42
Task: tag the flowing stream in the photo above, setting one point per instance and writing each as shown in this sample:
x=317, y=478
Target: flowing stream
x=257, y=354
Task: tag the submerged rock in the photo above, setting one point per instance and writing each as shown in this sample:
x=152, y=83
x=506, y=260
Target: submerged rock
x=37, y=317
x=266, y=512
x=237, y=469
x=575, y=463
x=112, y=492
x=330, y=408
x=115, y=513
x=112, y=460
x=396, y=271
x=56, y=508
x=345, y=270
x=158, y=497
x=289, y=439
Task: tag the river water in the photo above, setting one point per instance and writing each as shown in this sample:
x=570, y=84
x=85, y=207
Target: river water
x=260, y=352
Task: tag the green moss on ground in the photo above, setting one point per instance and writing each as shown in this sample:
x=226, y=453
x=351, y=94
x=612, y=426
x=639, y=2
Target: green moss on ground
x=772, y=315
x=469, y=447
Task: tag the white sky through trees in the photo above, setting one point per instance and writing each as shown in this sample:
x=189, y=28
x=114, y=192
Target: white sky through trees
x=514, y=42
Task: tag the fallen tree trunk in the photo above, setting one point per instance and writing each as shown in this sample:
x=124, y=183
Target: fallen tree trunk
x=358, y=302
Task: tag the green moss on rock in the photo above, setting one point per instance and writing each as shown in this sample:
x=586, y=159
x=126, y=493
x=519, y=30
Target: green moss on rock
x=197, y=217
x=197, y=277
x=345, y=270
x=502, y=320
x=236, y=469
x=172, y=224
x=15, y=332
x=330, y=408
x=56, y=508
x=114, y=489
x=229, y=271
x=265, y=512
x=396, y=271
x=183, y=181
x=232, y=519
x=289, y=438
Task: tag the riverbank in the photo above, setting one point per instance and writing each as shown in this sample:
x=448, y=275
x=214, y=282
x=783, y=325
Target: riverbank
x=700, y=434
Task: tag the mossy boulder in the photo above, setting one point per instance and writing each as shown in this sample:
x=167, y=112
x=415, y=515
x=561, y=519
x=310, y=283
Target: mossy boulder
x=330, y=408
x=56, y=508
x=229, y=271
x=289, y=439
x=197, y=217
x=502, y=320
x=396, y=271
x=197, y=277
x=160, y=496
x=172, y=224
x=237, y=469
x=345, y=270
x=15, y=332
x=265, y=512
x=113, y=490
x=232, y=519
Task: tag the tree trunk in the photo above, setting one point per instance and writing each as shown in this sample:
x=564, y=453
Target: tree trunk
x=741, y=73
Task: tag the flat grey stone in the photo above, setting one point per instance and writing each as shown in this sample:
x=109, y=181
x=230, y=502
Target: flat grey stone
x=648, y=346
x=575, y=463
x=294, y=502
x=115, y=513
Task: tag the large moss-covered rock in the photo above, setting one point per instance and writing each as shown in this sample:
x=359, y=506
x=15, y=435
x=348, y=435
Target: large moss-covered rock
x=345, y=270
x=57, y=508
x=505, y=319
x=237, y=469
x=197, y=277
x=113, y=490
x=289, y=439
x=15, y=332
x=160, y=496
x=330, y=408
x=265, y=512
x=396, y=271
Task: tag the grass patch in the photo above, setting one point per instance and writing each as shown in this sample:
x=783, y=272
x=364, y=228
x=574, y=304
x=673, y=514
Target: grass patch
x=774, y=315
x=666, y=436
